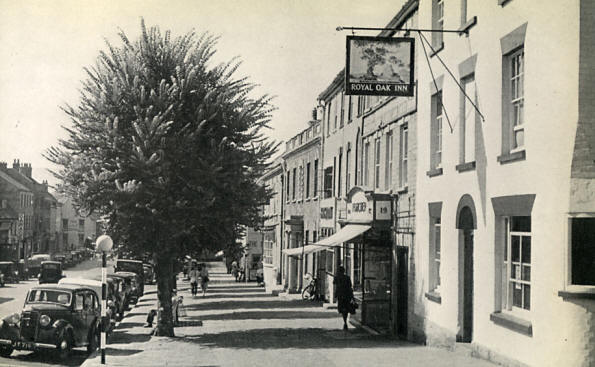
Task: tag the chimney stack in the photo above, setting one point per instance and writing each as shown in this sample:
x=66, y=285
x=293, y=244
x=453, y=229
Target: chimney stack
x=16, y=164
x=26, y=169
x=3, y=166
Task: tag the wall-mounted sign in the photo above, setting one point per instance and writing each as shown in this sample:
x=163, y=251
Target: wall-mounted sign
x=368, y=207
x=379, y=66
x=383, y=210
x=326, y=213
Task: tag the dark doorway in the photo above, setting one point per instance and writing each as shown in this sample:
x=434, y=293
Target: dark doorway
x=401, y=291
x=466, y=226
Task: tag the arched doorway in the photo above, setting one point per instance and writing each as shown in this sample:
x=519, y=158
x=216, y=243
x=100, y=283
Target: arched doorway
x=466, y=224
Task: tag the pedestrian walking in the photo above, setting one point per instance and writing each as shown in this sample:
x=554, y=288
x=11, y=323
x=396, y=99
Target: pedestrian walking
x=194, y=274
x=235, y=270
x=344, y=294
x=204, y=279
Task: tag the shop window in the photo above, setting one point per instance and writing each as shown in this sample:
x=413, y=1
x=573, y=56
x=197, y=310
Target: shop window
x=517, y=264
x=403, y=155
x=582, y=251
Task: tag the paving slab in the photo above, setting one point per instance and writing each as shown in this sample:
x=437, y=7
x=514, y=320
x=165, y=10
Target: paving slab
x=237, y=324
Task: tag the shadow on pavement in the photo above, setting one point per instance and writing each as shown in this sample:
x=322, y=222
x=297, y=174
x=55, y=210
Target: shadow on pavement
x=5, y=299
x=266, y=315
x=77, y=357
x=121, y=352
x=311, y=338
x=227, y=305
x=120, y=337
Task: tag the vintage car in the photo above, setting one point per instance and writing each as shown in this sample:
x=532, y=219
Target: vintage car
x=34, y=263
x=54, y=317
x=133, y=281
x=149, y=273
x=95, y=285
x=134, y=266
x=51, y=272
x=61, y=258
x=124, y=288
x=116, y=294
x=8, y=272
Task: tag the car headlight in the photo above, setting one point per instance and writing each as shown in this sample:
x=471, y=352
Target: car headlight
x=14, y=318
x=1, y=323
x=16, y=272
x=44, y=320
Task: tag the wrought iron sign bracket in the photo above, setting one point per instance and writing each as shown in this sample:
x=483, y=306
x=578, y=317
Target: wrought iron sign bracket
x=406, y=30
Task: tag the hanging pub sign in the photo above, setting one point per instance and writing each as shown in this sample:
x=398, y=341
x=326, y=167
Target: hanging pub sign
x=379, y=66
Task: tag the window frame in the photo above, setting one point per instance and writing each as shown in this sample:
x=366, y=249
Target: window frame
x=507, y=300
x=388, y=169
x=377, y=153
x=516, y=116
x=570, y=285
x=403, y=155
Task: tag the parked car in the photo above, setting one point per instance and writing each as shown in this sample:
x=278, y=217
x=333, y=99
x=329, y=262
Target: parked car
x=124, y=288
x=134, y=266
x=61, y=258
x=95, y=285
x=34, y=264
x=8, y=272
x=134, y=282
x=51, y=272
x=116, y=294
x=149, y=273
x=54, y=317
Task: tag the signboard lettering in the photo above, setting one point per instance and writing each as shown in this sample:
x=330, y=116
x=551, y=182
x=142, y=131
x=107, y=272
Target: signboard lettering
x=379, y=66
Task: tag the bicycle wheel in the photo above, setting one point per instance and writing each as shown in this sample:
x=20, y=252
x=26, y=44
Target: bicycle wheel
x=307, y=293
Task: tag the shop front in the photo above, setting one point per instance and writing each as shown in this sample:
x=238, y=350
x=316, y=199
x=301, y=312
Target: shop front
x=368, y=257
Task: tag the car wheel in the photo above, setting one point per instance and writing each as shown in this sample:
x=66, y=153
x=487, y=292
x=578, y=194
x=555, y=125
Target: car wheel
x=93, y=341
x=64, y=347
x=6, y=351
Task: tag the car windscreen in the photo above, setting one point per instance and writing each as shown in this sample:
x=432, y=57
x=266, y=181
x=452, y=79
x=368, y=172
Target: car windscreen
x=48, y=296
x=50, y=267
x=129, y=266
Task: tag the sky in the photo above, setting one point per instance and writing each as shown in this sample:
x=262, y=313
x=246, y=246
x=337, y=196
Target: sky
x=291, y=49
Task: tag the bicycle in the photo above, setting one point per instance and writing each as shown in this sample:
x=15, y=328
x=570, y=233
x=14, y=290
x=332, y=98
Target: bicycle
x=311, y=290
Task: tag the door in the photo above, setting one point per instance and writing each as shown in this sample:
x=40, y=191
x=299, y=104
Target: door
x=401, y=291
x=468, y=286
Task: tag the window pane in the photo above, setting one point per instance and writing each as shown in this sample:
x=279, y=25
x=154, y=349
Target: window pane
x=526, y=273
x=517, y=295
x=583, y=251
x=527, y=296
x=515, y=272
x=515, y=248
x=526, y=250
x=521, y=224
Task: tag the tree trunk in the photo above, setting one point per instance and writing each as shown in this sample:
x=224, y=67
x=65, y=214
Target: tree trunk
x=164, y=268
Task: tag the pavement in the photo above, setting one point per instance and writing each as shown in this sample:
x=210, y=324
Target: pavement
x=237, y=324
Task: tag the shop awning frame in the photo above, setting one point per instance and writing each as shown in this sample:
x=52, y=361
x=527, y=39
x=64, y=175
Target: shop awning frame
x=345, y=234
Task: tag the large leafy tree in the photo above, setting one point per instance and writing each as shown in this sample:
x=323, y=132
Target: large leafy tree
x=168, y=148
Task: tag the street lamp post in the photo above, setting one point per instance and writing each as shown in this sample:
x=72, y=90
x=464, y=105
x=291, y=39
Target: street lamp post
x=104, y=244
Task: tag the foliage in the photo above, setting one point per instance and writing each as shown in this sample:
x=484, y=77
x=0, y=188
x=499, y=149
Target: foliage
x=167, y=147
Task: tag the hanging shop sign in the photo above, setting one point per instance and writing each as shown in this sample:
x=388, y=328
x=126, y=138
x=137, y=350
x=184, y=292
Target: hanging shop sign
x=368, y=207
x=379, y=66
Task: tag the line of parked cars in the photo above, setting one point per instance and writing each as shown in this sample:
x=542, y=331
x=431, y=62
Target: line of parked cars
x=62, y=313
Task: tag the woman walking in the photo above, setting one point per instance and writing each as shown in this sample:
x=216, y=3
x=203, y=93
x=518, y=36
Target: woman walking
x=344, y=294
x=204, y=279
x=194, y=274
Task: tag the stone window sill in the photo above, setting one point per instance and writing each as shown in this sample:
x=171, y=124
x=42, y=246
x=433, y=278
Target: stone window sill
x=434, y=297
x=512, y=322
x=434, y=172
x=467, y=26
x=576, y=294
x=469, y=166
x=437, y=49
x=512, y=157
